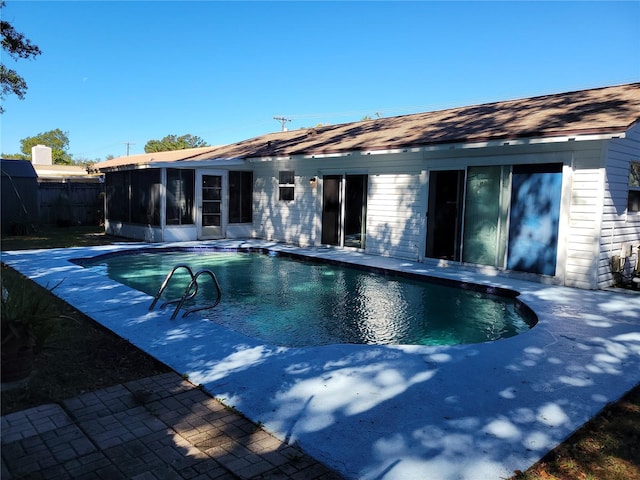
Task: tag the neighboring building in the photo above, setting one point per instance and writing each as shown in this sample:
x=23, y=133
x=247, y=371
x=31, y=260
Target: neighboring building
x=68, y=194
x=40, y=193
x=66, y=174
x=42, y=160
x=540, y=187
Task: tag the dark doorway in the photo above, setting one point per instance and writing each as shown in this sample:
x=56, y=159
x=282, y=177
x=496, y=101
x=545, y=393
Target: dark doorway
x=331, y=209
x=444, y=214
x=355, y=212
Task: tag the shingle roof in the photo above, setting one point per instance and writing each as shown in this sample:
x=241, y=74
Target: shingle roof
x=594, y=111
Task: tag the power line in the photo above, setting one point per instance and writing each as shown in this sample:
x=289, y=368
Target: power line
x=128, y=144
x=282, y=121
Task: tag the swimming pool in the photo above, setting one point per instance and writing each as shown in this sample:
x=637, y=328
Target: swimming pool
x=285, y=301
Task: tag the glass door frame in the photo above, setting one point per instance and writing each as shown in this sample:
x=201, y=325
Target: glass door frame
x=342, y=214
x=435, y=211
x=224, y=204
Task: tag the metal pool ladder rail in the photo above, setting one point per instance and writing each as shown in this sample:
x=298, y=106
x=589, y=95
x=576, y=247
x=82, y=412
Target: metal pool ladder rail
x=188, y=293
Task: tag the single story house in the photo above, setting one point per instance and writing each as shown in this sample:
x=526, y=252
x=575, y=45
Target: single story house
x=544, y=187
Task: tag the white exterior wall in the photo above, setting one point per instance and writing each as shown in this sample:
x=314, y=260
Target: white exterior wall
x=394, y=223
x=397, y=193
x=145, y=233
x=394, y=195
x=618, y=225
x=292, y=222
x=585, y=215
x=395, y=205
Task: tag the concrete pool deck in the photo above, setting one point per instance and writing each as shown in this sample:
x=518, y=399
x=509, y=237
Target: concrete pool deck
x=476, y=411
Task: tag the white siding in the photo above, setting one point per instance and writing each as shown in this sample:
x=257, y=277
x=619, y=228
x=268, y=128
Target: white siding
x=585, y=215
x=397, y=199
x=292, y=222
x=618, y=225
x=394, y=215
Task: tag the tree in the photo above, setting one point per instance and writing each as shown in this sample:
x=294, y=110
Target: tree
x=173, y=142
x=17, y=46
x=56, y=139
x=634, y=175
x=15, y=156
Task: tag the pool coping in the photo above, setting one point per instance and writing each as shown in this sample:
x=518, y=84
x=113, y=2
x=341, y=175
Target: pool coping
x=455, y=412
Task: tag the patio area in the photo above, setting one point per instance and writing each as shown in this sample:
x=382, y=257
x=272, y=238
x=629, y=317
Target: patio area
x=395, y=412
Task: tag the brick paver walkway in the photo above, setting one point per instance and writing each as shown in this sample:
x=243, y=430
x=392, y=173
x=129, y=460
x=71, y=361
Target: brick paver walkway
x=160, y=427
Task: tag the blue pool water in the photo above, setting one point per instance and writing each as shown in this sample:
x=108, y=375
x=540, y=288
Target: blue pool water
x=283, y=301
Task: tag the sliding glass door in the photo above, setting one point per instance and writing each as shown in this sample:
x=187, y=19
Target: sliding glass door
x=486, y=215
x=535, y=218
x=344, y=210
x=503, y=216
x=444, y=214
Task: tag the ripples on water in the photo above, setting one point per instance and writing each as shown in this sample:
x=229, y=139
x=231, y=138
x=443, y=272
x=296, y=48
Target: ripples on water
x=287, y=302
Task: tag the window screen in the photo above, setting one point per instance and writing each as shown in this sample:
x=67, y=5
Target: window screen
x=240, y=197
x=180, y=188
x=634, y=187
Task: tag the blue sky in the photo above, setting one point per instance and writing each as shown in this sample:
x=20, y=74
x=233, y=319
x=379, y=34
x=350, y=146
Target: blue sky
x=113, y=72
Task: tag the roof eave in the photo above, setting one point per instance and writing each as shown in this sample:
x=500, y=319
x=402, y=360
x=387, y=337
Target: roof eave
x=462, y=142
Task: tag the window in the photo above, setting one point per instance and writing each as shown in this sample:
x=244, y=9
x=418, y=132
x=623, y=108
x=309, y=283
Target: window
x=145, y=196
x=286, y=185
x=134, y=196
x=634, y=187
x=180, y=188
x=117, y=186
x=240, y=197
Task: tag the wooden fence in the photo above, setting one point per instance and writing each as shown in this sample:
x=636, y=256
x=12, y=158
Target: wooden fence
x=70, y=203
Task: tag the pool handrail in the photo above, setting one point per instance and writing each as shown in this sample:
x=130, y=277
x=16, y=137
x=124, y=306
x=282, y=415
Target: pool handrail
x=194, y=282
x=165, y=283
x=189, y=293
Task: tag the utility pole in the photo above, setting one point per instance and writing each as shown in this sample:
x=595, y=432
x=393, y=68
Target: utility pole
x=282, y=121
x=127, y=144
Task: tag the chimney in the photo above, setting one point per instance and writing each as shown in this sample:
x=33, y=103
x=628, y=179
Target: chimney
x=41, y=155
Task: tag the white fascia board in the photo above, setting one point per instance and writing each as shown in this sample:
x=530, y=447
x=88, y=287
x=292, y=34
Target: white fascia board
x=450, y=146
x=524, y=141
x=122, y=168
x=390, y=151
x=353, y=153
x=268, y=159
x=211, y=163
x=326, y=155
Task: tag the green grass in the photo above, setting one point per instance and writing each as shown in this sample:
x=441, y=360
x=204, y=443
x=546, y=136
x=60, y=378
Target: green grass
x=79, y=355
x=606, y=448
x=53, y=237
